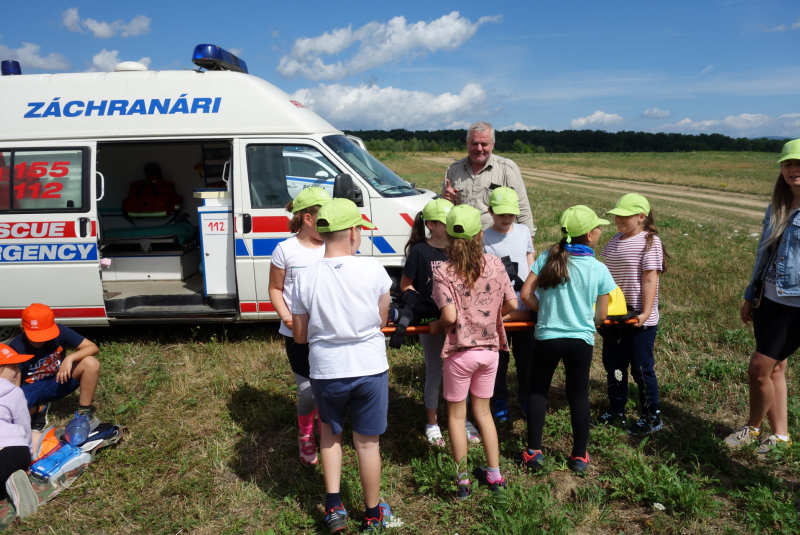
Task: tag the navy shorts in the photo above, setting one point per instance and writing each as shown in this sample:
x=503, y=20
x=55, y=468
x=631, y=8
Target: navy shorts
x=48, y=390
x=367, y=397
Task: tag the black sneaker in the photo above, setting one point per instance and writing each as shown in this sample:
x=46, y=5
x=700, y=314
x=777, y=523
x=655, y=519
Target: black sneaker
x=464, y=490
x=647, y=425
x=534, y=462
x=336, y=519
x=481, y=473
x=616, y=419
x=39, y=420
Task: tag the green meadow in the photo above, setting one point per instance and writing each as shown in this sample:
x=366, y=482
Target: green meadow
x=210, y=410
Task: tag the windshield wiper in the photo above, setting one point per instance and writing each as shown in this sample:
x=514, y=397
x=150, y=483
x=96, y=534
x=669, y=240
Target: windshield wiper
x=401, y=186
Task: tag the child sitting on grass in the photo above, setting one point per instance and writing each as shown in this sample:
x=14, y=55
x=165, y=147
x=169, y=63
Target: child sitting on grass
x=51, y=374
x=15, y=436
x=288, y=259
x=570, y=280
x=505, y=238
x=339, y=305
x=473, y=292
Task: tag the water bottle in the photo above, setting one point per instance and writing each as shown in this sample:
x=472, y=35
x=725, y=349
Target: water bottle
x=77, y=430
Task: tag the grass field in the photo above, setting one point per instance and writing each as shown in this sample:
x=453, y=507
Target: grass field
x=741, y=172
x=212, y=437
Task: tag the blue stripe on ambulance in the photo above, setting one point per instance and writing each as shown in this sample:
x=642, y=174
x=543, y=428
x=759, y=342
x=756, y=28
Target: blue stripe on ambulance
x=48, y=252
x=241, y=248
x=261, y=246
x=382, y=245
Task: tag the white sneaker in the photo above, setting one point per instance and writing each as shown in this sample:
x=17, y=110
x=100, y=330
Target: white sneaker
x=21, y=494
x=434, y=436
x=473, y=436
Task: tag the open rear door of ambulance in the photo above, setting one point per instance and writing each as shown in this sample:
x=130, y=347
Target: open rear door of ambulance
x=48, y=233
x=271, y=173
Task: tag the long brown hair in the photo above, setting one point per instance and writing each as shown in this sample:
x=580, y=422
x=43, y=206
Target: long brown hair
x=649, y=226
x=555, y=271
x=781, y=210
x=296, y=222
x=466, y=258
x=417, y=233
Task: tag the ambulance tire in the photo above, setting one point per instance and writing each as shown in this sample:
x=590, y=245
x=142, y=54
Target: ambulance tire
x=8, y=333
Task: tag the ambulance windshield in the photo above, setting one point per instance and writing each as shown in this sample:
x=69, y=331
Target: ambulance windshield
x=381, y=177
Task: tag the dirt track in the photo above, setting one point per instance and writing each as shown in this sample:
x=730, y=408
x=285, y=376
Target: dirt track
x=748, y=205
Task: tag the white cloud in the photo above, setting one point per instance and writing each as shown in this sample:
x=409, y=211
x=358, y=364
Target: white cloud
x=706, y=70
x=519, y=126
x=782, y=28
x=29, y=57
x=655, y=113
x=138, y=25
x=374, y=107
x=105, y=60
x=744, y=125
x=71, y=20
x=598, y=118
x=236, y=51
x=378, y=44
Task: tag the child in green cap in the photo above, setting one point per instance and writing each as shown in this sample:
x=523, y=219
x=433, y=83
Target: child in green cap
x=570, y=282
x=473, y=292
x=635, y=256
x=339, y=305
x=289, y=258
x=423, y=254
x=512, y=243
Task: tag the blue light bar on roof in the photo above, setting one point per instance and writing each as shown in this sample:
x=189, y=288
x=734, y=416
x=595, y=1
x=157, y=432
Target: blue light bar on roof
x=215, y=58
x=9, y=67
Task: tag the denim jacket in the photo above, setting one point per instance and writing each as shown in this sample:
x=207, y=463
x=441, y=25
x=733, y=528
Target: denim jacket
x=788, y=283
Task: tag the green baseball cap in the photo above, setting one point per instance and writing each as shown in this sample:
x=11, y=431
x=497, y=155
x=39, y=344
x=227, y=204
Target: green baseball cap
x=504, y=201
x=631, y=204
x=437, y=210
x=791, y=150
x=464, y=221
x=310, y=197
x=340, y=214
x=579, y=220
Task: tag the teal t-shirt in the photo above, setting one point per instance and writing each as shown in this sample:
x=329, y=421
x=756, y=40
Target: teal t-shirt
x=566, y=311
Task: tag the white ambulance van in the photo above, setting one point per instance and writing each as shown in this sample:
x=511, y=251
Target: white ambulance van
x=237, y=149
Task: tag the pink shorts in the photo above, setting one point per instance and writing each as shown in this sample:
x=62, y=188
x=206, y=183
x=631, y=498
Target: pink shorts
x=469, y=371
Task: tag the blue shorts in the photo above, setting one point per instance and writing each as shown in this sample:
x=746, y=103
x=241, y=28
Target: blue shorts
x=48, y=390
x=368, y=398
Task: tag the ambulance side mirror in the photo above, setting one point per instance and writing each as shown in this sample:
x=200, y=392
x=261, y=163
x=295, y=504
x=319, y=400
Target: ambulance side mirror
x=344, y=188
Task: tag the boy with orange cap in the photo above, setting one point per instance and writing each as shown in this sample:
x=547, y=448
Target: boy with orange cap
x=50, y=374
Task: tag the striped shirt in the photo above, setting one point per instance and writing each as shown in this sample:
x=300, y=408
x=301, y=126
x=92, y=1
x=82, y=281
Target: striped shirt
x=626, y=260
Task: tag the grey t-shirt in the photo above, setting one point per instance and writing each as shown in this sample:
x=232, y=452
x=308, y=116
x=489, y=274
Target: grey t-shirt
x=515, y=244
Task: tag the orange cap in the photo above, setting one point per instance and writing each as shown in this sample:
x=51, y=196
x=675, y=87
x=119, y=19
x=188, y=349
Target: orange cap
x=39, y=323
x=9, y=356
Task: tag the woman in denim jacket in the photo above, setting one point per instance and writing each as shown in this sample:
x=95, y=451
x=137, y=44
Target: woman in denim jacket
x=772, y=303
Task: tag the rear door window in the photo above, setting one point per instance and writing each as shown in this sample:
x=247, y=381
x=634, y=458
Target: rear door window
x=44, y=180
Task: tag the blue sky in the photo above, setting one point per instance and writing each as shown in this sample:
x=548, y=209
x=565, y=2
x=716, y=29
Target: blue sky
x=697, y=66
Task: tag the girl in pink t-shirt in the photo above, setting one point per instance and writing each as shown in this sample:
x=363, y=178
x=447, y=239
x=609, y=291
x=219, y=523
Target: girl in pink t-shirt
x=473, y=292
x=635, y=256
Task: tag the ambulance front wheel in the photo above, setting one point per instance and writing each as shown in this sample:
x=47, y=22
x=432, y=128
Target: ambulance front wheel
x=8, y=333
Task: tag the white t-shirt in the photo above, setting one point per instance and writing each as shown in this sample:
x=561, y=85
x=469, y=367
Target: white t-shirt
x=293, y=256
x=341, y=296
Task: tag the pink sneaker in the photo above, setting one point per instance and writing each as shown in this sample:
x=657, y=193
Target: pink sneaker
x=308, y=450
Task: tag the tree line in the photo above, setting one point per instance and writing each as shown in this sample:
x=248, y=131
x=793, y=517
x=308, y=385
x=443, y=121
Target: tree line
x=533, y=141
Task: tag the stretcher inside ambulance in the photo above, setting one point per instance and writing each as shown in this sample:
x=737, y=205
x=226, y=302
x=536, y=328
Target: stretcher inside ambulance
x=141, y=196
